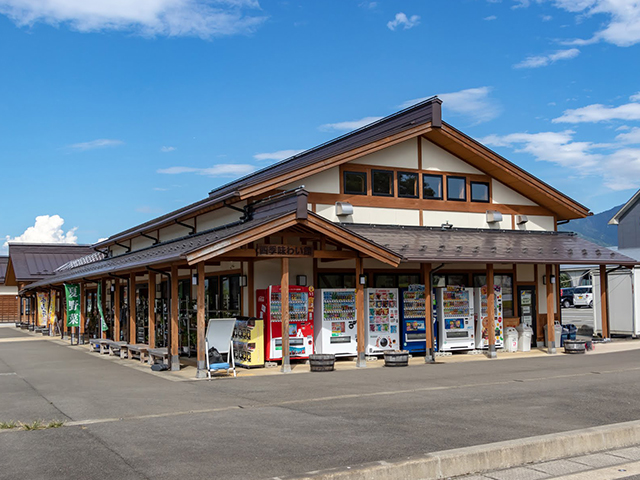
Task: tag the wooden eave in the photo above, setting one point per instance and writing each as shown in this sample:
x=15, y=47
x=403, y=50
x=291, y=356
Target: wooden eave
x=498, y=167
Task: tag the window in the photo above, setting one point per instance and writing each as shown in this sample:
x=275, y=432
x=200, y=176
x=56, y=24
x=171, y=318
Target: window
x=457, y=189
x=442, y=280
x=382, y=182
x=336, y=280
x=355, y=183
x=432, y=187
x=396, y=280
x=479, y=192
x=505, y=281
x=408, y=184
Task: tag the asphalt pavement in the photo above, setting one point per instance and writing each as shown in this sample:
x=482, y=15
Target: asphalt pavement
x=132, y=424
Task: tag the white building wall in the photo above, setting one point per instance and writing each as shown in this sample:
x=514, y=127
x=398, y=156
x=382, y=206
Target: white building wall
x=505, y=195
x=217, y=218
x=402, y=155
x=525, y=273
x=379, y=216
x=435, y=158
x=538, y=223
x=138, y=243
x=6, y=290
x=435, y=218
x=323, y=182
x=174, y=231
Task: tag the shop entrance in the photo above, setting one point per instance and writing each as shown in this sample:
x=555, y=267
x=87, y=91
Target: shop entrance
x=527, y=308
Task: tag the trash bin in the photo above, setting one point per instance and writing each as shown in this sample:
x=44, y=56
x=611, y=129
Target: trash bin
x=573, y=330
x=524, y=337
x=557, y=330
x=565, y=335
x=511, y=340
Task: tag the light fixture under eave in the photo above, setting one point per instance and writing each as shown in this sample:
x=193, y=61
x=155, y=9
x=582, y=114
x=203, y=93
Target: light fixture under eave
x=301, y=280
x=362, y=279
x=242, y=281
x=544, y=279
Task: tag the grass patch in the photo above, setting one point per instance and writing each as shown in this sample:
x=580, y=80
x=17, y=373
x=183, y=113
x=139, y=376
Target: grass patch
x=55, y=424
x=8, y=425
x=35, y=425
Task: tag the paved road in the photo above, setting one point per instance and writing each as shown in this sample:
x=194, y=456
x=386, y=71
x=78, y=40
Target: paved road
x=136, y=425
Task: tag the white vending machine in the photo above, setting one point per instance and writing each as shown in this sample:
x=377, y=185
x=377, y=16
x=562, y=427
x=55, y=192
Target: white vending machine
x=335, y=322
x=455, y=318
x=383, y=320
x=482, y=322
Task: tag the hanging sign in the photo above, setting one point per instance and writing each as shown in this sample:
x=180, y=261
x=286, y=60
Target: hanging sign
x=284, y=251
x=43, y=309
x=103, y=323
x=52, y=308
x=73, y=304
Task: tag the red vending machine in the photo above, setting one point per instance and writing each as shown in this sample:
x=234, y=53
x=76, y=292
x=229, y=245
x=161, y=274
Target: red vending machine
x=300, y=321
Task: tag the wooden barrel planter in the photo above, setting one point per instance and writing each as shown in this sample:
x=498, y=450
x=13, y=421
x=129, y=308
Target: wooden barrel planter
x=398, y=358
x=322, y=362
x=574, y=346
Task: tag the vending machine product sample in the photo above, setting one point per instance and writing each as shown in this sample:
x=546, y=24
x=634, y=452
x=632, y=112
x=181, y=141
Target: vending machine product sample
x=455, y=318
x=482, y=321
x=335, y=321
x=412, y=319
x=301, y=308
x=383, y=320
x=248, y=342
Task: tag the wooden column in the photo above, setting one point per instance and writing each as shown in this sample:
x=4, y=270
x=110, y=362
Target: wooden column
x=558, y=294
x=428, y=314
x=103, y=301
x=491, y=312
x=604, y=307
x=551, y=335
x=284, y=297
x=360, y=323
x=116, y=310
x=131, y=302
x=63, y=306
x=83, y=312
x=20, y=308
x=174, y=357
x=250, y=288
x=201, y=325
x=152, y=309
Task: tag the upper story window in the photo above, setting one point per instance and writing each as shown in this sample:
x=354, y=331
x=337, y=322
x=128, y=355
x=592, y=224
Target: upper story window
x=355, y=183
x=382, y=182
x=432, y=187
x=479, y=192
x=456, y=188
x=408, y=184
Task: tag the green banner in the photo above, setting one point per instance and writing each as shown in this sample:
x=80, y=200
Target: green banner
x=103, y=323
x=72, y=292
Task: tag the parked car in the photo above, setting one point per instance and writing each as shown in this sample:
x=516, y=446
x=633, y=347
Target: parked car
x=566, y=296
x=583, y=297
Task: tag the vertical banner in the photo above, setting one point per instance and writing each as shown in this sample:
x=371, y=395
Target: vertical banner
x=43, y=309
x=73, y=304
x=103, y=323
x=52, y=308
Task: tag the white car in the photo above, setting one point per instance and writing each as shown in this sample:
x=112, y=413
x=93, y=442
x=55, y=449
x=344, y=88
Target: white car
x=583, y=297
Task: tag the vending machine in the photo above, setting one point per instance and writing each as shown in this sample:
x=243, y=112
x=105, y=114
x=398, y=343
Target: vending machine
x=301, y=307
x=383, y=320
x=335, y=322
x=413, y=329
x=248, y=342
x=482, y=332
x=455, y=318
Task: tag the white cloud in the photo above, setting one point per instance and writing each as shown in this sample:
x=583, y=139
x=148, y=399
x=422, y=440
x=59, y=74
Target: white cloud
x=631, y=137
x=220, y=170
x=635, y=97
x=199, y=18
x=93, y=144
x=600, y=113
x=47, y=229
x=490, y=17
x=166, y=149
x=473, y=103
x=277, y=156
x=349, y=125
x=546, y=18
x=369, y=5
x=544, y=60
x=402, y=20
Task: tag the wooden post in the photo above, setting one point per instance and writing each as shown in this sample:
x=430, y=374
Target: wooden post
x=284, y=297
x=131, y=302
x=361, y=360
x=201, y=325
x=63, y=306
x=551, y=334
x=83, y=312
x=116, y=310
x=491, y=312
x=152, y=309
x=604, y=307
x=250, y=288
x=173, y=321
x=428, y=314
x=558, y=294
x=103, y=301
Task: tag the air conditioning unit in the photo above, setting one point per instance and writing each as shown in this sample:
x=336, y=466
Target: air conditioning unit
x=493, y=216
x=344, y=209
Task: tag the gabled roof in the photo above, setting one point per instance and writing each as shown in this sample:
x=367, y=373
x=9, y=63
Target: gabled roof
x=32, y=262
x=625, y=208
x=3, y=268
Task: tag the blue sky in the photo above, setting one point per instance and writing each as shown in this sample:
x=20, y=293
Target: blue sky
x=113, y=112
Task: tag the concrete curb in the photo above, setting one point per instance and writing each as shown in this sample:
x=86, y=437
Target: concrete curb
x=492, y=456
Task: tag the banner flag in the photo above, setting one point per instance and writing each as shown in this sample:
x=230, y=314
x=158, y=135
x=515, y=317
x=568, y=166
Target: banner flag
x=52, y=308
x=73, y=304
x=103, y=323
x=43, y=309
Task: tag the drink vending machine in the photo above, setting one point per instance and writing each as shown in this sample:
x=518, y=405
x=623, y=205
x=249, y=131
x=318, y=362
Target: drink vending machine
x=335, y=321
x=413, y=327
x=301, y=307
x=248, y=342
x=455, y=318
x=383, y=320
x=482, y=332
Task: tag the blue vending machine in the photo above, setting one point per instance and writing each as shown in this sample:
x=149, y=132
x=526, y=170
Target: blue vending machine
x=412, y=320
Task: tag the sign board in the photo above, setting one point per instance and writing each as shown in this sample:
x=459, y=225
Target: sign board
x=72, y=293
x=284, y=251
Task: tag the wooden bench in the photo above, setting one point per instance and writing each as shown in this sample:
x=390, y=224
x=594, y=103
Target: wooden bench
x=139, y=350
x=114, y=348
x=161, y=354
x=94, y=345
x=104, y=346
